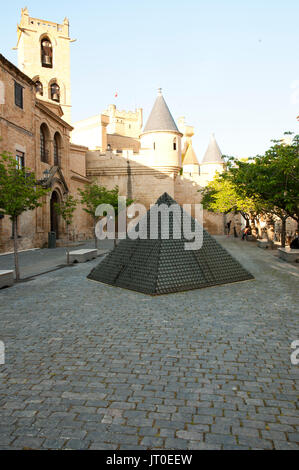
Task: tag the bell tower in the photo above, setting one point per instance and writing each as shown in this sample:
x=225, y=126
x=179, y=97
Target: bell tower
x=44, y=55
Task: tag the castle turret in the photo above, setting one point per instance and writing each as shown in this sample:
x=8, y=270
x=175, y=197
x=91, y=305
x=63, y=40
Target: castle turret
x=212, y=161
x=190, y=163
x=161, y=136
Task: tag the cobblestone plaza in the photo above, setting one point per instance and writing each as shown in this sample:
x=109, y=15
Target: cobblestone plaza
x=89, y=366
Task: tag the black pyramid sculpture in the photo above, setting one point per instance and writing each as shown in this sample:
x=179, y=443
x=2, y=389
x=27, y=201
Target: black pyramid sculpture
x=163, y=266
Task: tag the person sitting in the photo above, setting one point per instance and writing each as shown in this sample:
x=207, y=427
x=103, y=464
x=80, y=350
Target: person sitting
x=294, y=245
x=246, y=233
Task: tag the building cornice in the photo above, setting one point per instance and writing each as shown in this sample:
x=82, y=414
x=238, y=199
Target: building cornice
x=157, y=171
x=15, y=126
x=15, y=69
x=39, y=104
x=77, y=177
x=162, y=132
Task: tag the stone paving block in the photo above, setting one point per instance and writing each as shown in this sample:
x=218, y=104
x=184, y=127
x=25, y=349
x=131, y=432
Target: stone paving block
x=284, y=445
x=148, y=431
x=152, y=442
x=53, y=444
x=6, y=440
x=245, y=431
x=71, y=433
x=255, y=443
x=194, y=445
x=293, y=437
x=175, y=443
x=221, y=428
x=77, y=444
x=220, y=439
x=164, y=432
x=190, y=435
x=274, y=435
x=33, y=443
x=139, y=421
x=131, y=447
x=102, y=446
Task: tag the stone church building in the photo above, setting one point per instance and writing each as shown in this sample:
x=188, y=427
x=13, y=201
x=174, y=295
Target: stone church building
x=112, y=148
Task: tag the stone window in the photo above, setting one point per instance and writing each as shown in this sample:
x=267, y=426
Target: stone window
x=56, y=149
x=20, y=158
x=44, y=154
x=46, y=53
x=174, y=144
x=19, y=95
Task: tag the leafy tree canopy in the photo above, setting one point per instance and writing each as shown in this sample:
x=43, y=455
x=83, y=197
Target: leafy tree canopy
x=19, y=190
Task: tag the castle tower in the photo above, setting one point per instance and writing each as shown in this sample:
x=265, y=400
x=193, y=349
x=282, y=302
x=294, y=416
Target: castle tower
x=188, y=133
x=44, y=55
x=125, y=123
x=190, y=163
x=212, y=161
x=161, y=136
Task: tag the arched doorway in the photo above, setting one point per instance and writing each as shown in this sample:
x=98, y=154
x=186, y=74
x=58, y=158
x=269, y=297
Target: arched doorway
x=53, y=214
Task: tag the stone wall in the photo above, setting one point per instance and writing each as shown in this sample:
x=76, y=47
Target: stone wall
x=148, y=183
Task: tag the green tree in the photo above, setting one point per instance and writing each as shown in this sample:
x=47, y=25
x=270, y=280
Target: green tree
x=220, y=195
x=94, y=195
x=112, y=199
x=274, y=179
x=91, y=197
x=19, y=192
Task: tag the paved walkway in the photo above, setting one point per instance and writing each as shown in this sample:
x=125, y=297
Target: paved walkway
x=37, y=261
x=97, y=367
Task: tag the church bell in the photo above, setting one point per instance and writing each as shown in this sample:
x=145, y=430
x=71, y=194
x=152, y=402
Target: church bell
x=47, y=60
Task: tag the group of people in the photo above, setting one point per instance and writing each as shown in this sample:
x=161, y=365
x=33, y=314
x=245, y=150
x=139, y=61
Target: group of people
x=247, y=231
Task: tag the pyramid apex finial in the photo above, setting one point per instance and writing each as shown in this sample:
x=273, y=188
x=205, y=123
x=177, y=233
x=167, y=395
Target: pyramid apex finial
x=159, y=91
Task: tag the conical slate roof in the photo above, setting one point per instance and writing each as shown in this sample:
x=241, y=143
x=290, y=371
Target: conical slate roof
x=159, y=266
x=160, y=118
x=213, y=153
x=190, y=157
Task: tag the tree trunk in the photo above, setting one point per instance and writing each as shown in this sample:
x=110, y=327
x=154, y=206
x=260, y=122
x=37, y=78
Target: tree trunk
x=283, y=232
x=95, y=236
x=15, y=243
x=259, y=228
x=270, y=228
x=67, y=249
x=253, y=228
x=245, y=216
x=115, y=231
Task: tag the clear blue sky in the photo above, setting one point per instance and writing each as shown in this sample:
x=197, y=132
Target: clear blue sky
x=229, y=66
